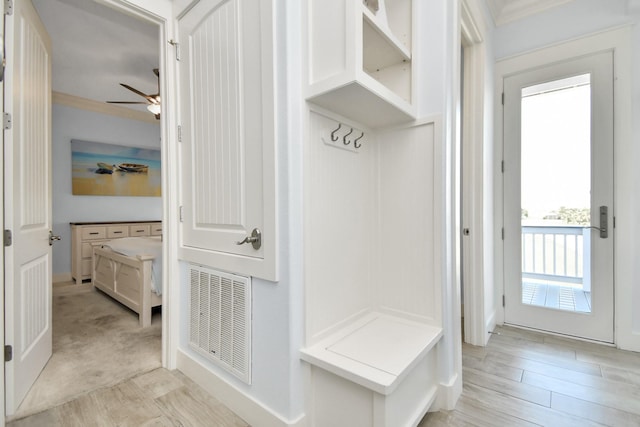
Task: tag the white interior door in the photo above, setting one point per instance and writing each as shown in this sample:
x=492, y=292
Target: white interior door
x=28, y=205
x=227, y=134
x=558, y=183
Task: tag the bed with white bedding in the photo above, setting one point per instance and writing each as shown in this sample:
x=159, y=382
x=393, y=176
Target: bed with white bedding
x=130, y=271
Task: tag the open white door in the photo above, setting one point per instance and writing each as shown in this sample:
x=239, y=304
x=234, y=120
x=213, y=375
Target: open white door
x=28, y=202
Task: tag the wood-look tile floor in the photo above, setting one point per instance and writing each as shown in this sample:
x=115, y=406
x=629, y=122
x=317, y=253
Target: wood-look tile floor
x=524, y=378
x=156, y=398
x=521, y=378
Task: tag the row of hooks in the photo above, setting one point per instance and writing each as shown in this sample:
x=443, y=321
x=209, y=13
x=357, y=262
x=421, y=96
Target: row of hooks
x=345, y=139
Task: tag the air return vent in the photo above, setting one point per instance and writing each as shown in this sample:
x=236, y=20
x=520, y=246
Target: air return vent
x=220, y=323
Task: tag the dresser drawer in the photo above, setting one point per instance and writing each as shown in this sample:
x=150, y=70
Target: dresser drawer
x=139, y=230
x=156, y=229
x=115, y=231
x=92, y=233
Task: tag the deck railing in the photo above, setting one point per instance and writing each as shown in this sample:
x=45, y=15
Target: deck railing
x=557, y=254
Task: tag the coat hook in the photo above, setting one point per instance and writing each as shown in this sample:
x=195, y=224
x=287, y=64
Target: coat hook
x=355, y=142
x=334, y=138
x=344, y=138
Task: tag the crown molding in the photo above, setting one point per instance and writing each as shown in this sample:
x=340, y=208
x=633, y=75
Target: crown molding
x=505, y=11
x=102, y=107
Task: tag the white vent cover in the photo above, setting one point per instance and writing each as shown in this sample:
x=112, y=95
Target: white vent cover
x=220, y=319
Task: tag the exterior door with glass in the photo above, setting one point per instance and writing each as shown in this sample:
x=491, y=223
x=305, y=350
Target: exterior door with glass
x=558, y=197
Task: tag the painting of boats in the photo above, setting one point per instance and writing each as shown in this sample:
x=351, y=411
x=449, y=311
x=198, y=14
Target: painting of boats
x=100, y=169
x=104, y=168
x=133, y=167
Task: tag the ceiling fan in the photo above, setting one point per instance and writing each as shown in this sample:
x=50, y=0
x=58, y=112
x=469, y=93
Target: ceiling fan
x=153, y=101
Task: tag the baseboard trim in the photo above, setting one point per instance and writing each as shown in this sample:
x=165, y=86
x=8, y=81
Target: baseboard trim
x=629, y=342
x=61, y=277
x=490, y=326
x=247, y=408
x=449, y=393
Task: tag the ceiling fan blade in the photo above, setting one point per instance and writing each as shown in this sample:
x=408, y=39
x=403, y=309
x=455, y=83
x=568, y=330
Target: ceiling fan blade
x=156, y=96
x=127, y=102
x=144, y=95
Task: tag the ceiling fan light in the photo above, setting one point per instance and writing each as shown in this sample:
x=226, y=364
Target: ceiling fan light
x=154, y=108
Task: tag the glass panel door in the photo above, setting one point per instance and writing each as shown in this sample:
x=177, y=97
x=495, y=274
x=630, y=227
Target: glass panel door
x=558, y=178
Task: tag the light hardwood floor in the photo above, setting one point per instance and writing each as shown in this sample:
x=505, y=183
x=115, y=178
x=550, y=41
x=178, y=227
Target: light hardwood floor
x=157, y=398
x=521, y=378
x=524, y=378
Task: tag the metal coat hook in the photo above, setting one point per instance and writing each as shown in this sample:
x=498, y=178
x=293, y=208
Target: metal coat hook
x=355, y=141
x=344, y=138
x=334, y=138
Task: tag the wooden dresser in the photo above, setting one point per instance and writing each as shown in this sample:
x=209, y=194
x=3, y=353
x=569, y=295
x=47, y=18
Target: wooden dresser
x=85, y=233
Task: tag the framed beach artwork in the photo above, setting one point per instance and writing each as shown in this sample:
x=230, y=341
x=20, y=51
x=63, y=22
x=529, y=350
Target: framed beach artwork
x=100, y=169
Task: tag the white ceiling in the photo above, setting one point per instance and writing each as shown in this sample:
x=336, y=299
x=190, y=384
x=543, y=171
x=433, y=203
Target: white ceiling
x=95, y=48
x=505, y=11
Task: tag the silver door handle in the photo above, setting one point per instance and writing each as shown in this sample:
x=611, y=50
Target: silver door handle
x=604, y=220
x=53, y=238
x=3, y=61
x=255, y=239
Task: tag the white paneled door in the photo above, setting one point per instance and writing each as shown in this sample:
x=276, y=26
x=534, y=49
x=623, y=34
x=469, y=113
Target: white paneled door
x=558, y=197
x=28, y=203
x=227, y=134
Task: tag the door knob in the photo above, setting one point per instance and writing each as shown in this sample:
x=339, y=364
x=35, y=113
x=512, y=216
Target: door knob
x=255, y=239
x=53, y=238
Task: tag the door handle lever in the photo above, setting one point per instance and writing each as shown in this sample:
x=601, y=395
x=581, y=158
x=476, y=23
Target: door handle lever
x=604, y=218
x=604, y=221
x=255, y=239
x=53, y=238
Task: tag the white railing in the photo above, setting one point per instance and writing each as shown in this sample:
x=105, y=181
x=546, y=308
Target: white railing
x=557, y=254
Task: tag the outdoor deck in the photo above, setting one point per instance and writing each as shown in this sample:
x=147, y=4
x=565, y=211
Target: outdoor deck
x=556, y=269
x=558, y=297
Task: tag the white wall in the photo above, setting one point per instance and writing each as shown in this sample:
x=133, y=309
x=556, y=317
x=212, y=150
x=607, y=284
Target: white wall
x=572, y=21
x=340, y=219
x=71, y=123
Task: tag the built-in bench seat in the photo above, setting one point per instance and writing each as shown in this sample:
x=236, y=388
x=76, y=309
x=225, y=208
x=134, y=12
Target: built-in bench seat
x=387, y=355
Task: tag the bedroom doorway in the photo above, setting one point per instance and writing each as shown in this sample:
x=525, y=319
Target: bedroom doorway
x=80, y=313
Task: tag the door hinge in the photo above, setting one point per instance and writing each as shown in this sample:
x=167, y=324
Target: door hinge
x=503, y=300
x=6, y=121
x=179, y=133
x=181, y=213
x=502, y=166
x=8, y=353
x=502, y=98
x=8, y=7
x=8, y=238
x=502, y=233
x=177, y=46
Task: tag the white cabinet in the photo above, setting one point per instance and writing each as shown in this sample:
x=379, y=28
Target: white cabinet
x=360, y=61
x=83, y=234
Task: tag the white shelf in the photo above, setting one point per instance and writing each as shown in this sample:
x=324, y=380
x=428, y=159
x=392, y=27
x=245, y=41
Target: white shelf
x=366, y=101
x=376, y=352
x=359, y=66
x=381, y=47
